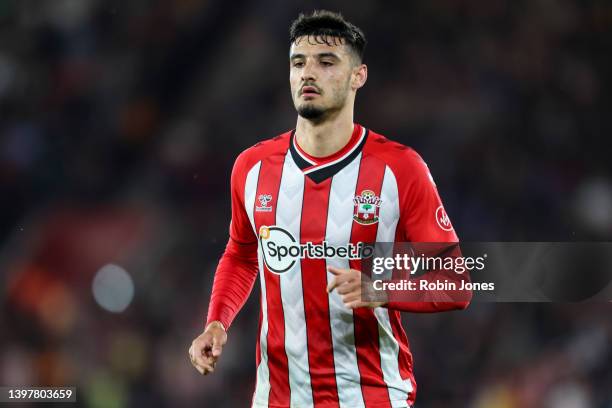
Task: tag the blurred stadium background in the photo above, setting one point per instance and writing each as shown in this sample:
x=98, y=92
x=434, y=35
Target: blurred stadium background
x=119, y=124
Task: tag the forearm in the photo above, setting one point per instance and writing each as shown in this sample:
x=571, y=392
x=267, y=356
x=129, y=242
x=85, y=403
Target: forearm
x=234, y=280
x=435, y=291
x=440, y=302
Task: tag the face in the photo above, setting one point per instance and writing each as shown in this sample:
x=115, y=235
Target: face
x=322, y=77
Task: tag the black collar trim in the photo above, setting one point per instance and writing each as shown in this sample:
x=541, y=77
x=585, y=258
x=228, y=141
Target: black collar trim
x=327, y=170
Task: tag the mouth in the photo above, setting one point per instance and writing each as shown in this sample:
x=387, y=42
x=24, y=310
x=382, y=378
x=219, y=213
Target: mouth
x=309, y=91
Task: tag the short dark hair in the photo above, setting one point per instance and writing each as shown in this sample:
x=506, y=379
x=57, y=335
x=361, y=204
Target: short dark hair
x=323, y=24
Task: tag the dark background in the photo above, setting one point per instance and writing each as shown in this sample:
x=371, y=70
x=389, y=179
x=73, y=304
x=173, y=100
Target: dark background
x=119, y=124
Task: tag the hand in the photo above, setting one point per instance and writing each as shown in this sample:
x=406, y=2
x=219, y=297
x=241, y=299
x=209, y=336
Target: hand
x=206, y=348
x=347, y=283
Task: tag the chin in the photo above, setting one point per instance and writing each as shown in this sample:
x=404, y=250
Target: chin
x=310, y=111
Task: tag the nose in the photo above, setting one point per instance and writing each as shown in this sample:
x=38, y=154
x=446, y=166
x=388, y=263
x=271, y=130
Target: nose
x=308, y=72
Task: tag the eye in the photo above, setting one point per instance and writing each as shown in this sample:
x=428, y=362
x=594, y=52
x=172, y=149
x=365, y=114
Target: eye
x=298, y=64
x=327, y=63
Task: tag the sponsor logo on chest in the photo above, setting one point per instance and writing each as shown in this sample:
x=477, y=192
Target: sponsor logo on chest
x=281, y=250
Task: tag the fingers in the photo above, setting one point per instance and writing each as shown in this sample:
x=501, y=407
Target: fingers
x=359, y=303
x=349, y=287
x=217, y=346
x=198, y=360
x=347, y=283
x=206, y=349
x=194, y=362
x=210, y=368
x=351, y=297
x=341, y=276
x=337, y=271
x=204, y=364
x=356, y=303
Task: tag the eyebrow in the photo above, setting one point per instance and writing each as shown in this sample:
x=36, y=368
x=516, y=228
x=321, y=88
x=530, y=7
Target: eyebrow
x=320, y=55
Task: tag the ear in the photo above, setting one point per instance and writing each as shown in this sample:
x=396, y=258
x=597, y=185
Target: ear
x=359, y=76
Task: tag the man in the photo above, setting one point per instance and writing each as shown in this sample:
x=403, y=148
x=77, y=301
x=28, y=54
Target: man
x=330, y=183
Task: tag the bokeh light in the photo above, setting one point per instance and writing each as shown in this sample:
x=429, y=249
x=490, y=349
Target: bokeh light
x=113, y=288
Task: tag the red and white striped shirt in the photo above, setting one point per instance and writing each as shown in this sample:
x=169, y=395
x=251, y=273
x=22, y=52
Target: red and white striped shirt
x=312, y=350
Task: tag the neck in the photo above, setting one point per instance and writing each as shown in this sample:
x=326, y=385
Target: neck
x=320, y=139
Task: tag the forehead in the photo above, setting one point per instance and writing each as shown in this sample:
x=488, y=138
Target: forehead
x=313, y=45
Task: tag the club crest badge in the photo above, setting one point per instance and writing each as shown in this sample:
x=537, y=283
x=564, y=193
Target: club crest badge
x=264, y=203
x=367, y=207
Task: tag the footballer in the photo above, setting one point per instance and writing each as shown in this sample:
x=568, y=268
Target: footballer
x=303, y=205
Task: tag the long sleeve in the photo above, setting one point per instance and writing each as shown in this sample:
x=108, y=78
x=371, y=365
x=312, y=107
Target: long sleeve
x=424, y=220
x=234, y=279
x=237, y=268
x=436, y=300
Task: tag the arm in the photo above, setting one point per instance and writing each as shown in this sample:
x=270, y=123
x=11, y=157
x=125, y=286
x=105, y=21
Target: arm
x=234, y=279
x=350, y=285
x=432, y=301
x=423, y=220
x=237, y=268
